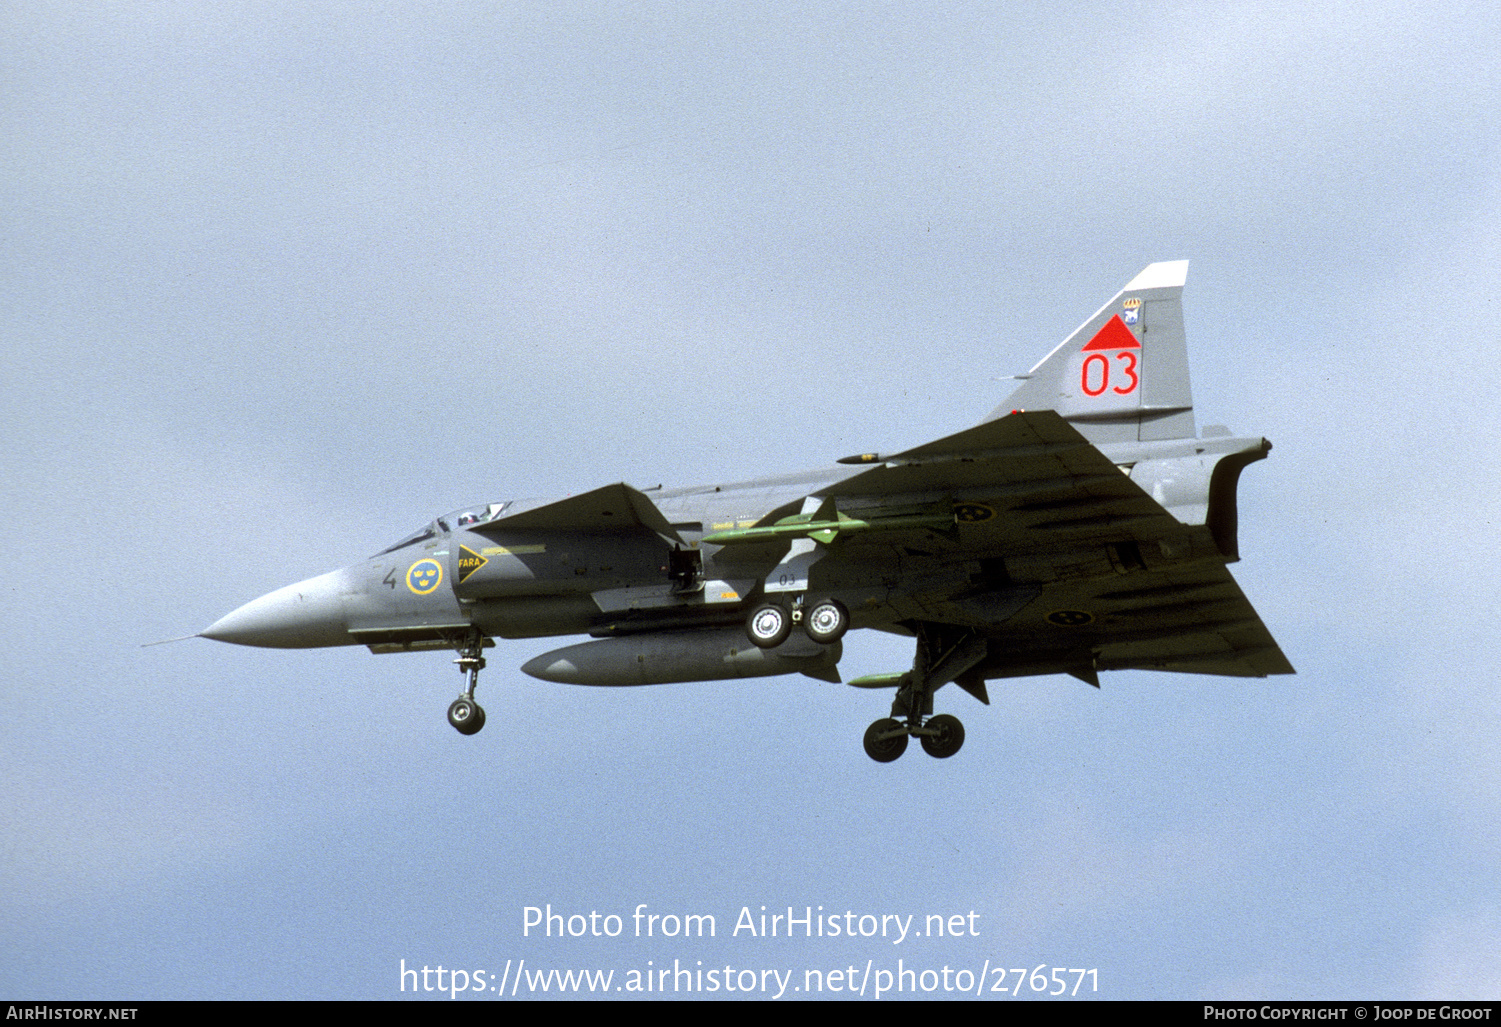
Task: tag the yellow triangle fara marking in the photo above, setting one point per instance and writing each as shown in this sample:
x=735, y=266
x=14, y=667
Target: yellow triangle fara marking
x=469, y=562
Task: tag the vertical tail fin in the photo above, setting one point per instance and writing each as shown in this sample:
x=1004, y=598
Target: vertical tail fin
x=1122, y=376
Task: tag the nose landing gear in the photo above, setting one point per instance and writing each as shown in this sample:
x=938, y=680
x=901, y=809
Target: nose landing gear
x=466, y=715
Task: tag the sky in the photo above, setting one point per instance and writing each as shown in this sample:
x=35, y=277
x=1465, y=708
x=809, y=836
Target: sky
x=281, y=282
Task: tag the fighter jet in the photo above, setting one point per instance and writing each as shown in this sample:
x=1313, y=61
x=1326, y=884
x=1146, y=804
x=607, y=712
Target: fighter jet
x=1084, y=526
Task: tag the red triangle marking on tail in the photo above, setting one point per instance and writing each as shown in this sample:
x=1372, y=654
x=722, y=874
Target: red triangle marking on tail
x=1115, y=335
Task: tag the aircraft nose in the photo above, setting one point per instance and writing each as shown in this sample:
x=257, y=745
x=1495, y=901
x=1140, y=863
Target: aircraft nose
x=306, y=615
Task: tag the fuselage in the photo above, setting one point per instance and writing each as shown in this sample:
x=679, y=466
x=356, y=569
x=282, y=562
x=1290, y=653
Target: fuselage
x=491, y=569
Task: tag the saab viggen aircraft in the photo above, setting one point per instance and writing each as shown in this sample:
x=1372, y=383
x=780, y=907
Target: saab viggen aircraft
x=1084, y=526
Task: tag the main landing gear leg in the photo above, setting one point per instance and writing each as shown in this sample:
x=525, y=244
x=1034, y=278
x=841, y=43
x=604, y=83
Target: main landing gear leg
x=466, y=715
x=938, y=658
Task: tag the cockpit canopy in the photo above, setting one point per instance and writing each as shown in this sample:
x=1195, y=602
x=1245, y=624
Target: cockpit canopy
x=465, y=518
x=475, y=515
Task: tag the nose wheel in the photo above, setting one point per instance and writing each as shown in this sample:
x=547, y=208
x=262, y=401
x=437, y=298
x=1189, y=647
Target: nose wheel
x=466, y=715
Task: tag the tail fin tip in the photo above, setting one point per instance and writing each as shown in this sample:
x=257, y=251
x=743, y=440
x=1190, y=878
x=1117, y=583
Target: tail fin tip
x=1167, y=274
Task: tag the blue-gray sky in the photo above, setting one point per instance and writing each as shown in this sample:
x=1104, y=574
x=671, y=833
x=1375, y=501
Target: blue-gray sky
x=280, y=282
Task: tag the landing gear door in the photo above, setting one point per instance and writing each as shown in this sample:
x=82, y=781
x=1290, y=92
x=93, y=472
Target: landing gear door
x=685, y=568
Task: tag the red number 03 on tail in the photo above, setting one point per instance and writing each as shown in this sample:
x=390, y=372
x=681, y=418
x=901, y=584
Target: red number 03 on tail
x=1094, y=379
x=1110, y=361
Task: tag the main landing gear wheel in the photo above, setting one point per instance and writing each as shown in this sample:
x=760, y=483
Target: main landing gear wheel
x=886, y=740
x=466, y=716
x=949, y=737
x=769, y=625
x=826, y=621
x=944, y=654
